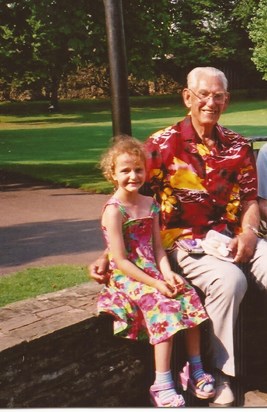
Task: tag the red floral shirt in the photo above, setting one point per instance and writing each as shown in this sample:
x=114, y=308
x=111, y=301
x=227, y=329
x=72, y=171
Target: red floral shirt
x=199, y=189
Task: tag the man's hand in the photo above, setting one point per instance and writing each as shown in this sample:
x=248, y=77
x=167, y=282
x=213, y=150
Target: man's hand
x=243, y=246
x=98, y=270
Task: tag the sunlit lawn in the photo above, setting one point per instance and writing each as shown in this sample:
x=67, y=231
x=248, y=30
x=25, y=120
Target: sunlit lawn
x=31, y=282
x=65, y=147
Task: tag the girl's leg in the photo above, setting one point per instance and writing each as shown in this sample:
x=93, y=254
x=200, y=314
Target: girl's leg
x=196, y=371
x=162, y=354
x=164, y=385
x=192, y=338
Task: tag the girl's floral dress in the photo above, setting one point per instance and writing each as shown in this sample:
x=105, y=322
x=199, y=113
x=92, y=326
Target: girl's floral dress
x=141, y=311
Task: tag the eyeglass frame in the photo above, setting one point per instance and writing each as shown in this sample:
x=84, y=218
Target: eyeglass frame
x=211, y=95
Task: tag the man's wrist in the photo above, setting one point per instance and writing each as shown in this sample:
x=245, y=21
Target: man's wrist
x=254, y=229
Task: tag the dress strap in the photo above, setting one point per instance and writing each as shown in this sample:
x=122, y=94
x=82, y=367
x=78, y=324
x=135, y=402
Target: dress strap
x=121, y=207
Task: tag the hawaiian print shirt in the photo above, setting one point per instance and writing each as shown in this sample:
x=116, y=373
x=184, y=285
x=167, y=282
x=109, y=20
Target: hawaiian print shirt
x=199, y=189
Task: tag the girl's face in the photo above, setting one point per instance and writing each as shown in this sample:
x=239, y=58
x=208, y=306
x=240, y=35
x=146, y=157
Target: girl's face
x=129, y=173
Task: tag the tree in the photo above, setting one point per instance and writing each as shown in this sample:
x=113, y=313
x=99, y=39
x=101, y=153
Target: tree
x=258, y=35
x=207, y=32
x=47, y=39
x=15, y=50
x=65, y=35
x=172, y=36
x=44, y=40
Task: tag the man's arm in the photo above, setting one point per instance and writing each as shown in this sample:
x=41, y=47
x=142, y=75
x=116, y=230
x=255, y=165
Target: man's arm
x=263, y=209
x=262, y=178
x=244, y=244
x=98, y=270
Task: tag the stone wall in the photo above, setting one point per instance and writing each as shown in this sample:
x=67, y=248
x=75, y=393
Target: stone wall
x=56, y=352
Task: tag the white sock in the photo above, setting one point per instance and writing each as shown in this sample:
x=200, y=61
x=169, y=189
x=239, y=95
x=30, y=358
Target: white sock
x=165, y=377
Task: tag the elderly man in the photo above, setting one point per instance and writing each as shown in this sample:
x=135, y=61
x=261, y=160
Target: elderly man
x=204, y=177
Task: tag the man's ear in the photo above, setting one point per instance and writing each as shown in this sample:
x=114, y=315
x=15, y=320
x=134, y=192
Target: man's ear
x=187, y=98
x=227, y=100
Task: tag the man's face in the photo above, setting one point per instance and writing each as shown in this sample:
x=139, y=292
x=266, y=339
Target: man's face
x=206, y=100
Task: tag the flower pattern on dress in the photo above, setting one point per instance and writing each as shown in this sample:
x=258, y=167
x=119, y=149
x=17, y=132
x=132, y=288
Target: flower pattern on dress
x=141, y=311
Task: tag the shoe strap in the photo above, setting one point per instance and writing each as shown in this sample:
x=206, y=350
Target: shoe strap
x=156, y=387
x=177, y=401
x=204, y=380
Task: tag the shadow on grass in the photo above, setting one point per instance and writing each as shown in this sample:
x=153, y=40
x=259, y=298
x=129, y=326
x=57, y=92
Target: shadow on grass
x=77, y=175
x=139, y=114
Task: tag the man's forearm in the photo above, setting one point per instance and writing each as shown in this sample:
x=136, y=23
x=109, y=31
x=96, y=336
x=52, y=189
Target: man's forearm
x=251, y=215
x=263, y=209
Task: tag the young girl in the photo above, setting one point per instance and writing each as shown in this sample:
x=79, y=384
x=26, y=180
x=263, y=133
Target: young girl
x=146, y=298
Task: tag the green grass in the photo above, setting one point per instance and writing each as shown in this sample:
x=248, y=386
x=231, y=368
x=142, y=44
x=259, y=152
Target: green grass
x=37, y=281
x=65, y=147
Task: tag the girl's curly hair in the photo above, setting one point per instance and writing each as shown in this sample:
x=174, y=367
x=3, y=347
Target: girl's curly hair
x=121, y=144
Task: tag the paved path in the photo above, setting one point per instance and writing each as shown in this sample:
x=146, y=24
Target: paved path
x=42, y=225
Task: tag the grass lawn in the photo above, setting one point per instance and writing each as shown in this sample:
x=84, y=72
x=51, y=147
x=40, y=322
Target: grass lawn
x=37, y=281
x=65, y=148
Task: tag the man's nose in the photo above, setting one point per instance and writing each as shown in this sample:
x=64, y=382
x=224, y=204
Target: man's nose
x=210, y=97
x=210, y=101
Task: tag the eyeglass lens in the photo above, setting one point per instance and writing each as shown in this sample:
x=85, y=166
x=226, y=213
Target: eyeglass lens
x=205, y=96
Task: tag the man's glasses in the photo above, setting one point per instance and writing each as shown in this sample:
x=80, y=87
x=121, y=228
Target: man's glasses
x=205, y=96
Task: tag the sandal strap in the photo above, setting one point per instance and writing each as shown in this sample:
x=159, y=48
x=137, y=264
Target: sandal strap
x=156, y=387
x=204, y=380
x=177, y=401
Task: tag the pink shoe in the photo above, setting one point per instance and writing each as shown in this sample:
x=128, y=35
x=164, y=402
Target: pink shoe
x=176, y=401
x=196, y=388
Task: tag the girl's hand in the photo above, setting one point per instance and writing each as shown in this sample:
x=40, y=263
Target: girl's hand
x=171, y=287
x=175, y=280
x=166, y=289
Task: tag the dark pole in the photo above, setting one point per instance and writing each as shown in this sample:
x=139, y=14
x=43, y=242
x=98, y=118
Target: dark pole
x=121, y=118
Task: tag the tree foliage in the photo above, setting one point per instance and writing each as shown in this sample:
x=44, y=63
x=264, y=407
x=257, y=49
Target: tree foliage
x=15, y=40
x=258, y=35
x=176, y=35
x=186, y=32
x=44, y=40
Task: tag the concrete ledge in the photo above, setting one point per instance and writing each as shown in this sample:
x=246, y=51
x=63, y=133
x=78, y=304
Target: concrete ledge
x=55, y=352
x=31, y=319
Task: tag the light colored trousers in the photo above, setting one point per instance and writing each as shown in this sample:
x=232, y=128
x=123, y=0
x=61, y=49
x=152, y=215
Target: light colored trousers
x=224, y=285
